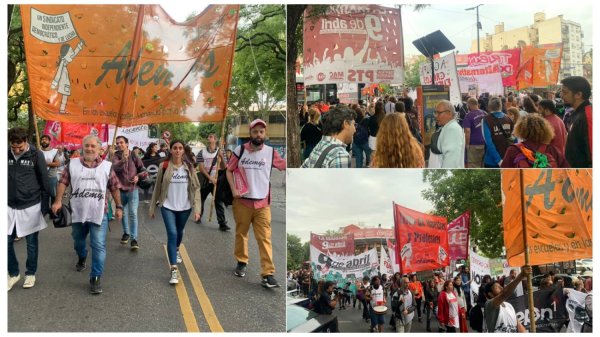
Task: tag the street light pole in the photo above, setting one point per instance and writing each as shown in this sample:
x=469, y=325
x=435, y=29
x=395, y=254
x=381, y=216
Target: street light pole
x=478, y=25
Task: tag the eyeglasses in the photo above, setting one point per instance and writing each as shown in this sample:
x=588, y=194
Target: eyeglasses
x=440, y=112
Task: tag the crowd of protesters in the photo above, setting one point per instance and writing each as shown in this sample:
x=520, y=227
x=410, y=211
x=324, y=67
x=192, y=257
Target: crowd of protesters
x=518, y=130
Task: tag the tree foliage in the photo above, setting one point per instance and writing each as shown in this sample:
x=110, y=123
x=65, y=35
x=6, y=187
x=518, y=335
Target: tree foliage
x=456, y=191
x=295, y=252
x=412, y=77
x=259, y=65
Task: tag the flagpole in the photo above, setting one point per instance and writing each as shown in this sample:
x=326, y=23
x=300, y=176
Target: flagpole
x=37, y=132
x=526, y=251
x=135, y=46
x=212, y=204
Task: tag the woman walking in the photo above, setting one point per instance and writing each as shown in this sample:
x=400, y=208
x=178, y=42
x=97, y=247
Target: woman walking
x=448, y=314
x=177, y=192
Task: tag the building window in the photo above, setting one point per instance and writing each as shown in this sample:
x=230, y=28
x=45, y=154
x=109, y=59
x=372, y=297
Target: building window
x=276, y=118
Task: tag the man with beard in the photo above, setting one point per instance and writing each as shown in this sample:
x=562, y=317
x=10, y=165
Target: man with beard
x=27, y=181
x=52, y=162
x=89, y=177
x=576, y=92
x=254, y=160
x=127, y=167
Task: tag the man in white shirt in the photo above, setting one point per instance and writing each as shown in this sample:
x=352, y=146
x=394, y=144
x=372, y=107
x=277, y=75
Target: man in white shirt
x=447, y=148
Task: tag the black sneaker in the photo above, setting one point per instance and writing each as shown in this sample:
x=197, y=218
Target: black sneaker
x=125, y=239
x=269, y=282
x=80, y=266
x=224, y=227
x=95, y=287
x=134, y=245
x=240, y=270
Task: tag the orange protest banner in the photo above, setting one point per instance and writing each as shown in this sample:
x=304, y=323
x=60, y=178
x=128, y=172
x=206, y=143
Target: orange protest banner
x=81, y=58
x=546, y=63
x=422, y=240
x=558, y=213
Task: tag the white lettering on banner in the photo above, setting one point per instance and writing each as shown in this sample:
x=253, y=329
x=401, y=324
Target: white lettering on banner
x=346, y=266
x=332, y=245
x=373, y=27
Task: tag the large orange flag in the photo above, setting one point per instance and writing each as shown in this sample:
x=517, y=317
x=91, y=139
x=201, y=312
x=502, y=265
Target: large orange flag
x=525, y=75
x=546, y=63
x=558, y=214
x=128, y=64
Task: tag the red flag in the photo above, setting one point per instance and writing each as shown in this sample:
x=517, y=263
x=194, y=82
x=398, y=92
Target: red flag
x=458, y=236
x=71, y=134
x=422, y=240
x=525, y=75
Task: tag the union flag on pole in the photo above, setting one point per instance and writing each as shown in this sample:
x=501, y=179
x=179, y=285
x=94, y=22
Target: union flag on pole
x=128, y=64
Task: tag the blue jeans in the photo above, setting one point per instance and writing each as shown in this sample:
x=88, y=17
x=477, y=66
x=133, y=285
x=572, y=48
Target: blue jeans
x=32, y=254
x=97, y=243
x=175, y=224
x=357, y=150
x=377, y=319
x=130, y=201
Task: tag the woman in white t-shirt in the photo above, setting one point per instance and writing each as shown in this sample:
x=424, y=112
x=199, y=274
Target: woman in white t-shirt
x=448, y=308
x=176, y=192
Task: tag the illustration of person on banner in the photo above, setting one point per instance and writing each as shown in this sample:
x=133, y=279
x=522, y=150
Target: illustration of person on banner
x=61, y=82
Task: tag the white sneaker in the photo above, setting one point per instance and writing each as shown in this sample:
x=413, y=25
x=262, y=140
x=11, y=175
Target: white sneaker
x=29, y=281
x=174, y=276
x=12, y=280
x=179, y=259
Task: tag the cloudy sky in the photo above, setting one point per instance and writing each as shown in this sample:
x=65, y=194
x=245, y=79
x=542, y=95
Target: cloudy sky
x=320, y=199
x=180, y=11
x=459, y=25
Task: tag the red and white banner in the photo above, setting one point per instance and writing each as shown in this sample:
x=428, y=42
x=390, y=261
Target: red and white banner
x=445, y=74
x=458, y=237
x=347, y=93
x=342, y=245
x=353, y=43
x=486, y=78
x=509, y=61
x=392, y=254
x=385, y=264
x=422, y=240
x=70, y=135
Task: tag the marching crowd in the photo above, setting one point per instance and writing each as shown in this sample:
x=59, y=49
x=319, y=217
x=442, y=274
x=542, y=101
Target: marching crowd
x=513, y=131
x=445, y=302
x=74, y=191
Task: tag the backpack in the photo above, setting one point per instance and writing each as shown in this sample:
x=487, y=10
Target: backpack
x=224, y=193
x=528, y=158
x=361, y=135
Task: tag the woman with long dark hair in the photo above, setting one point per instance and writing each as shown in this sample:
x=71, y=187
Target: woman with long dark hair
x=462, y=304
x=177, y=192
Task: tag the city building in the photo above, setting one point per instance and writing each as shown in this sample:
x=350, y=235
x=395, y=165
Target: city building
x=543, y=31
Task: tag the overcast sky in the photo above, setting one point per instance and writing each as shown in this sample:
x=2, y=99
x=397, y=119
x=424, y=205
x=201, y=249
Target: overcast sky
x=459, y=25
x=320, y=199
x=181, y=10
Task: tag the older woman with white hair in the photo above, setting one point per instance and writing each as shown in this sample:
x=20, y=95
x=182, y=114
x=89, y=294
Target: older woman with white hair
x=447, y=148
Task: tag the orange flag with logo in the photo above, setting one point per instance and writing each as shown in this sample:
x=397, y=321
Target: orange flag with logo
x=558, y=213
x=546, y=63
x=525, y=75
x=128, y=64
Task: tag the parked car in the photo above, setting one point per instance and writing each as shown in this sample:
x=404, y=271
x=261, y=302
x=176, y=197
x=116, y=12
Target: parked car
x=300, y=319
x=568, y=279
x=584, y=265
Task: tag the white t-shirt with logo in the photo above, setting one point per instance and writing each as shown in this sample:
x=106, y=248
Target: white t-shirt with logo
x=177, y=194
x=452, y=310
x=376, y=296
x=507, y=319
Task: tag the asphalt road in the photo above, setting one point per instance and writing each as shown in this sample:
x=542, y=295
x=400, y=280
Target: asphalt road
x=137, y=295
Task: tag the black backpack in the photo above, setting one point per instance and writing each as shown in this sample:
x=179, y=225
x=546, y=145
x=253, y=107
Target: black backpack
x=223, y=189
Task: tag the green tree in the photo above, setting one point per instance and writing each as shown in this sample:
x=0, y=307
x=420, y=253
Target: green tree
x=412, y=77
x=258, y=81
x=453, y=192
x=295, y=252
x=20, y=112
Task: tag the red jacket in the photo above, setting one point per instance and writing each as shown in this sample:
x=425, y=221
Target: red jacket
x=443, y=309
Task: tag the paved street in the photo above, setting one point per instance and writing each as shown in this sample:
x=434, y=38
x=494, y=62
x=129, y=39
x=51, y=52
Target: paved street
x=137, y=295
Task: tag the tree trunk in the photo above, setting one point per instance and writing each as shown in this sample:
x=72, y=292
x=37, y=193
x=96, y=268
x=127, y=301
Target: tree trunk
x=294, y=15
